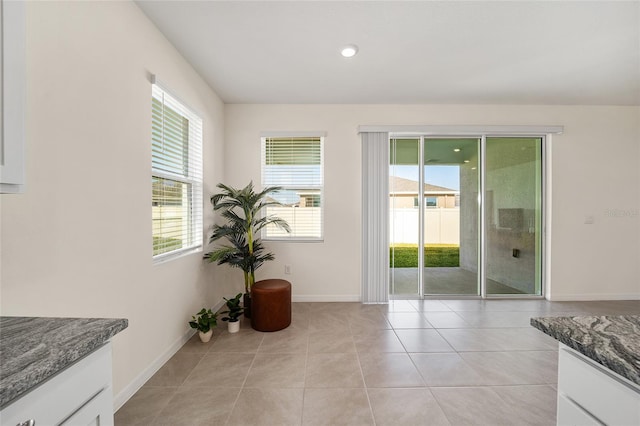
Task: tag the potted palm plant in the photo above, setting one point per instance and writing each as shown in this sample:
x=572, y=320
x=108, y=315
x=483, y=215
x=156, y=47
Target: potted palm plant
x=242, y=210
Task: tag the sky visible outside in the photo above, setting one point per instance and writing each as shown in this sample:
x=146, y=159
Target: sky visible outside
x=447, y=176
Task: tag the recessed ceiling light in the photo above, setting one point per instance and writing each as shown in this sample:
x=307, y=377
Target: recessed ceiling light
x=456, y=150
x=466, y=161
x=349, y=50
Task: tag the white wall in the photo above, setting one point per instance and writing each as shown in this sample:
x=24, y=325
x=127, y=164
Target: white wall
x=78, y=242
x=598, y=154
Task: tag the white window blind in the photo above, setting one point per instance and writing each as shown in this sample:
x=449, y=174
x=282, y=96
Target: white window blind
x=176, y=176
x=295, y=164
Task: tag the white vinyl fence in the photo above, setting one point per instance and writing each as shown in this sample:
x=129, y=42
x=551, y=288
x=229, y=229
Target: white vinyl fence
x=305, y=222
x=441, y=226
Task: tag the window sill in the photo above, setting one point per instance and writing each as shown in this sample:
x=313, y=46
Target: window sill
x=294, y=240
x=166, y=257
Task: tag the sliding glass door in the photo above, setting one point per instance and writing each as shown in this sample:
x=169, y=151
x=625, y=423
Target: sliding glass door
x=465, y=216
x=513, y=216
x=450, y=212
x=404, y=219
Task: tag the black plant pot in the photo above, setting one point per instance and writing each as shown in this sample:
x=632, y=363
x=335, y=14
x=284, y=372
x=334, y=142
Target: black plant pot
x=247, y=305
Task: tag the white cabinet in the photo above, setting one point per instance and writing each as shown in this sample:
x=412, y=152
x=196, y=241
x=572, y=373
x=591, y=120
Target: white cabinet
x=12, y=96
x=79, y=395
x=571, y=414
x=589, y=393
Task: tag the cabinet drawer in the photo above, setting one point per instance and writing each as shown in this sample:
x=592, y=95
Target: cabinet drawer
x=604, y=394
x=97, y=412
x=569, y=414
x=62, y=395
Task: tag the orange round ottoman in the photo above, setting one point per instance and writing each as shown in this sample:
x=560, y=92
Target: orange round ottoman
x=271, y=305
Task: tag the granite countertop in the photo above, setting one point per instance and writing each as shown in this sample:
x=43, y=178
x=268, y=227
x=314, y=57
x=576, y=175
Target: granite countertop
x=32, y=349
x=612, y=341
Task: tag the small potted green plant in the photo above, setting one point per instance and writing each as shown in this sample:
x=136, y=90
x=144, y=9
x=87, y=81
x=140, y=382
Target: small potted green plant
x=233, y=312
x=203, y=321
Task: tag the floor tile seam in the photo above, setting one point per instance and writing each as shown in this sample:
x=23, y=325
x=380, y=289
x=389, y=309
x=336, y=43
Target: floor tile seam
x=424, y=382
x=445, y=339
x=492, y=385
x=300, y=352
x=509, y=350
x=335, y=387
x=519, y=385
x=482, y=386
x=366, y=391
x=242, y=386
x=413, y=328
x=278, y=386
x=477, y=370
x=480, y=374
x=500, y=350
x=452, y=312
x=193, y=368
x=439, y=405
x=424, y=379
x=233, y=352
x=246, y=376
x=306, y=366
x=399, y=340
x=509, y=409
x=165, y=405
x=304, y=398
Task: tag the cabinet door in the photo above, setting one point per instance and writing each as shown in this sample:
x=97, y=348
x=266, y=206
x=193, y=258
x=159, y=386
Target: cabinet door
x=569, y=414
x=606, y=395
x=67, y=393
x=97, y=412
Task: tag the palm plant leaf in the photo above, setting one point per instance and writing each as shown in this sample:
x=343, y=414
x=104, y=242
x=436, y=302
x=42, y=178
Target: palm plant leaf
x=272, y=220
x=241, y=209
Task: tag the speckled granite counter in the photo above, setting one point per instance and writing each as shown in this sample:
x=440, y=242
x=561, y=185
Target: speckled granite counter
x=33, y=349
x=613, y=341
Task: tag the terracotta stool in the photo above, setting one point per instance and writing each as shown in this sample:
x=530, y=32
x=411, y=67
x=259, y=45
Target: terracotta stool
x=271, y=305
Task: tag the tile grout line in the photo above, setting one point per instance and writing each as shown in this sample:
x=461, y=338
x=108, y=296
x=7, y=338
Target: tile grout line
x=306, y=363
x=235, y=402
x=364, y=383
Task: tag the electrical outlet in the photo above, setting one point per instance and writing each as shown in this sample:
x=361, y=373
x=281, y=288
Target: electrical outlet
x=287, y=269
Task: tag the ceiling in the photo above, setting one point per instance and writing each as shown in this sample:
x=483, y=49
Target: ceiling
x=444, y=52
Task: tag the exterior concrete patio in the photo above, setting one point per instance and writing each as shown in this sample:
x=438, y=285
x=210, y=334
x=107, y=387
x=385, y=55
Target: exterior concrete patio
x=443, y=281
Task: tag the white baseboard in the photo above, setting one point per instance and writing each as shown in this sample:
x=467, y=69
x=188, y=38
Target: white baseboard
x=326, y=298
x=592, y=296
x=125, y=394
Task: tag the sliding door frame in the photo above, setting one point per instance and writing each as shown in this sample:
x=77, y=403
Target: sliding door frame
x=482, y=133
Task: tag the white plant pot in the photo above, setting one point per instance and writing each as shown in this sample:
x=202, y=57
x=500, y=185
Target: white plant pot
x=234, y=326
x=205, y=337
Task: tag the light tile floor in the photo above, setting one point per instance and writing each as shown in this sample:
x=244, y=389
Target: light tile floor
x=430, y=362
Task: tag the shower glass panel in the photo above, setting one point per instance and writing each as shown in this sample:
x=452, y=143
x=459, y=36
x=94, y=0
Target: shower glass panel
x=513, y=215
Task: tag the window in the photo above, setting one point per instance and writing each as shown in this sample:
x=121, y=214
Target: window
x=431, y=202
x=176, y=176
x=296, y=165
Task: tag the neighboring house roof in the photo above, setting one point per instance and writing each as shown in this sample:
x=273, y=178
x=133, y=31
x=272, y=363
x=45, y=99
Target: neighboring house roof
x=402, y=185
